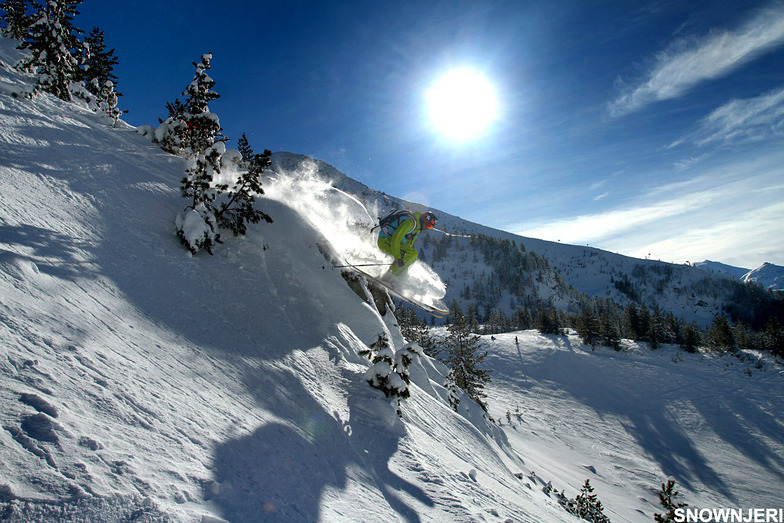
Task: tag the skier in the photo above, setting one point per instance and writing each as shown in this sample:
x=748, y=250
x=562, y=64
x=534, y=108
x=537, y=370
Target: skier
x=398, y=232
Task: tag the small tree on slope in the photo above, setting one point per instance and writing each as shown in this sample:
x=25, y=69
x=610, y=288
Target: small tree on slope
x=463, y=358
x=415, y=329
x=98, y=63
x=587, y=505
x=98, y=75
x=234, y=213
x=667, y=496
x=172, y=131
x=196, y=227
x=203, y=141
x=389, y=372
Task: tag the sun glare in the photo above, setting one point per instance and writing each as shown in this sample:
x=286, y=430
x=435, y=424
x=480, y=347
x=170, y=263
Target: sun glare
x=461, y=104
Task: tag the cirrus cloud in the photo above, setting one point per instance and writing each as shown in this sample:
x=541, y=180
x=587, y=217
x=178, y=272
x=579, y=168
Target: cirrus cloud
x=688, y=62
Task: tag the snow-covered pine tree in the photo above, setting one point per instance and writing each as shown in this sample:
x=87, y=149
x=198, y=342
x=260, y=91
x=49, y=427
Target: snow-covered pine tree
x=463, y=357
x=171, y=132
x=54, y=48
x=205, y=146
x=203, y=141
x=667, y=496
x=107, y=101
x=98, y=62
x=17, y=21
x=587, y=505
x=452, y=390
x=176, y=109
x=238, y=209
x=389, y=372
x=98, y=76
x=403, y=360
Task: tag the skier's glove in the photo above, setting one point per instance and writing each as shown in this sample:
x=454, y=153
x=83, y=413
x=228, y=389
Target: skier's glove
x=399, y=263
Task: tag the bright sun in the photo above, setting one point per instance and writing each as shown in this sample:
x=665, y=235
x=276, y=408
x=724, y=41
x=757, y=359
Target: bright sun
x=461, y=104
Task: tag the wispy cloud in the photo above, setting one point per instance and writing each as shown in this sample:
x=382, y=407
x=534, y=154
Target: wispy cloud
x=747, y=240
x=750, y=119
x=731, y=213
x=597, y=229
x=687, y=62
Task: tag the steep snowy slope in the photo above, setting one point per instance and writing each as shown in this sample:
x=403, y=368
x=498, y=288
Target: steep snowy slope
x=137, y=381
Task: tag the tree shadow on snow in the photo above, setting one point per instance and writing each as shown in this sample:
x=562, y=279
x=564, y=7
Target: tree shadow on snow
x=285, y=469
x=739, y=419
x=47, y=252
x=640, y=401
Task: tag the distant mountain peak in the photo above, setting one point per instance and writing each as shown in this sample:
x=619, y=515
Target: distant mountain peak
x=768, y=275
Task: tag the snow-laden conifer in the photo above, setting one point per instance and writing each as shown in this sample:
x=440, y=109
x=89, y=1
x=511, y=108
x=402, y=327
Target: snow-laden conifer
x=587, y=505
x=98, y=76
x=389, y=370
x=204, y=146
x=16, y=19
x=415, y=330
x=237, y=210
x=54, y=47
x=203, y=142
x=98, y=62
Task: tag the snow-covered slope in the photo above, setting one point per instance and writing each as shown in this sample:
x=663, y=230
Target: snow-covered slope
x=622, y=420
x=139, y=383
x=137, y=380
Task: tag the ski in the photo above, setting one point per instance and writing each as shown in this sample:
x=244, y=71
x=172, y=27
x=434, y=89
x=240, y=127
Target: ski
x=438, y=309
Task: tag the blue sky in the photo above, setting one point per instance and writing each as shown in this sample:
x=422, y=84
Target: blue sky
x=646, y=128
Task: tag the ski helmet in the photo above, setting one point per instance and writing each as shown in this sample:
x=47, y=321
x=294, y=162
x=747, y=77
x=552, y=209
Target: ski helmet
x=428, y=220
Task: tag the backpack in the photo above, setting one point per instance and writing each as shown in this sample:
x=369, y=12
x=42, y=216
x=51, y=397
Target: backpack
x=389, y=223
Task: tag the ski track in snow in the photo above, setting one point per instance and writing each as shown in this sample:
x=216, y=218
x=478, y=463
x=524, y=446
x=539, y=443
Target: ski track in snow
x=138, y=382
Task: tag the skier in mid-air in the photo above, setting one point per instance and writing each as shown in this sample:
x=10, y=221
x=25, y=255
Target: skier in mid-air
x=398, y=232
